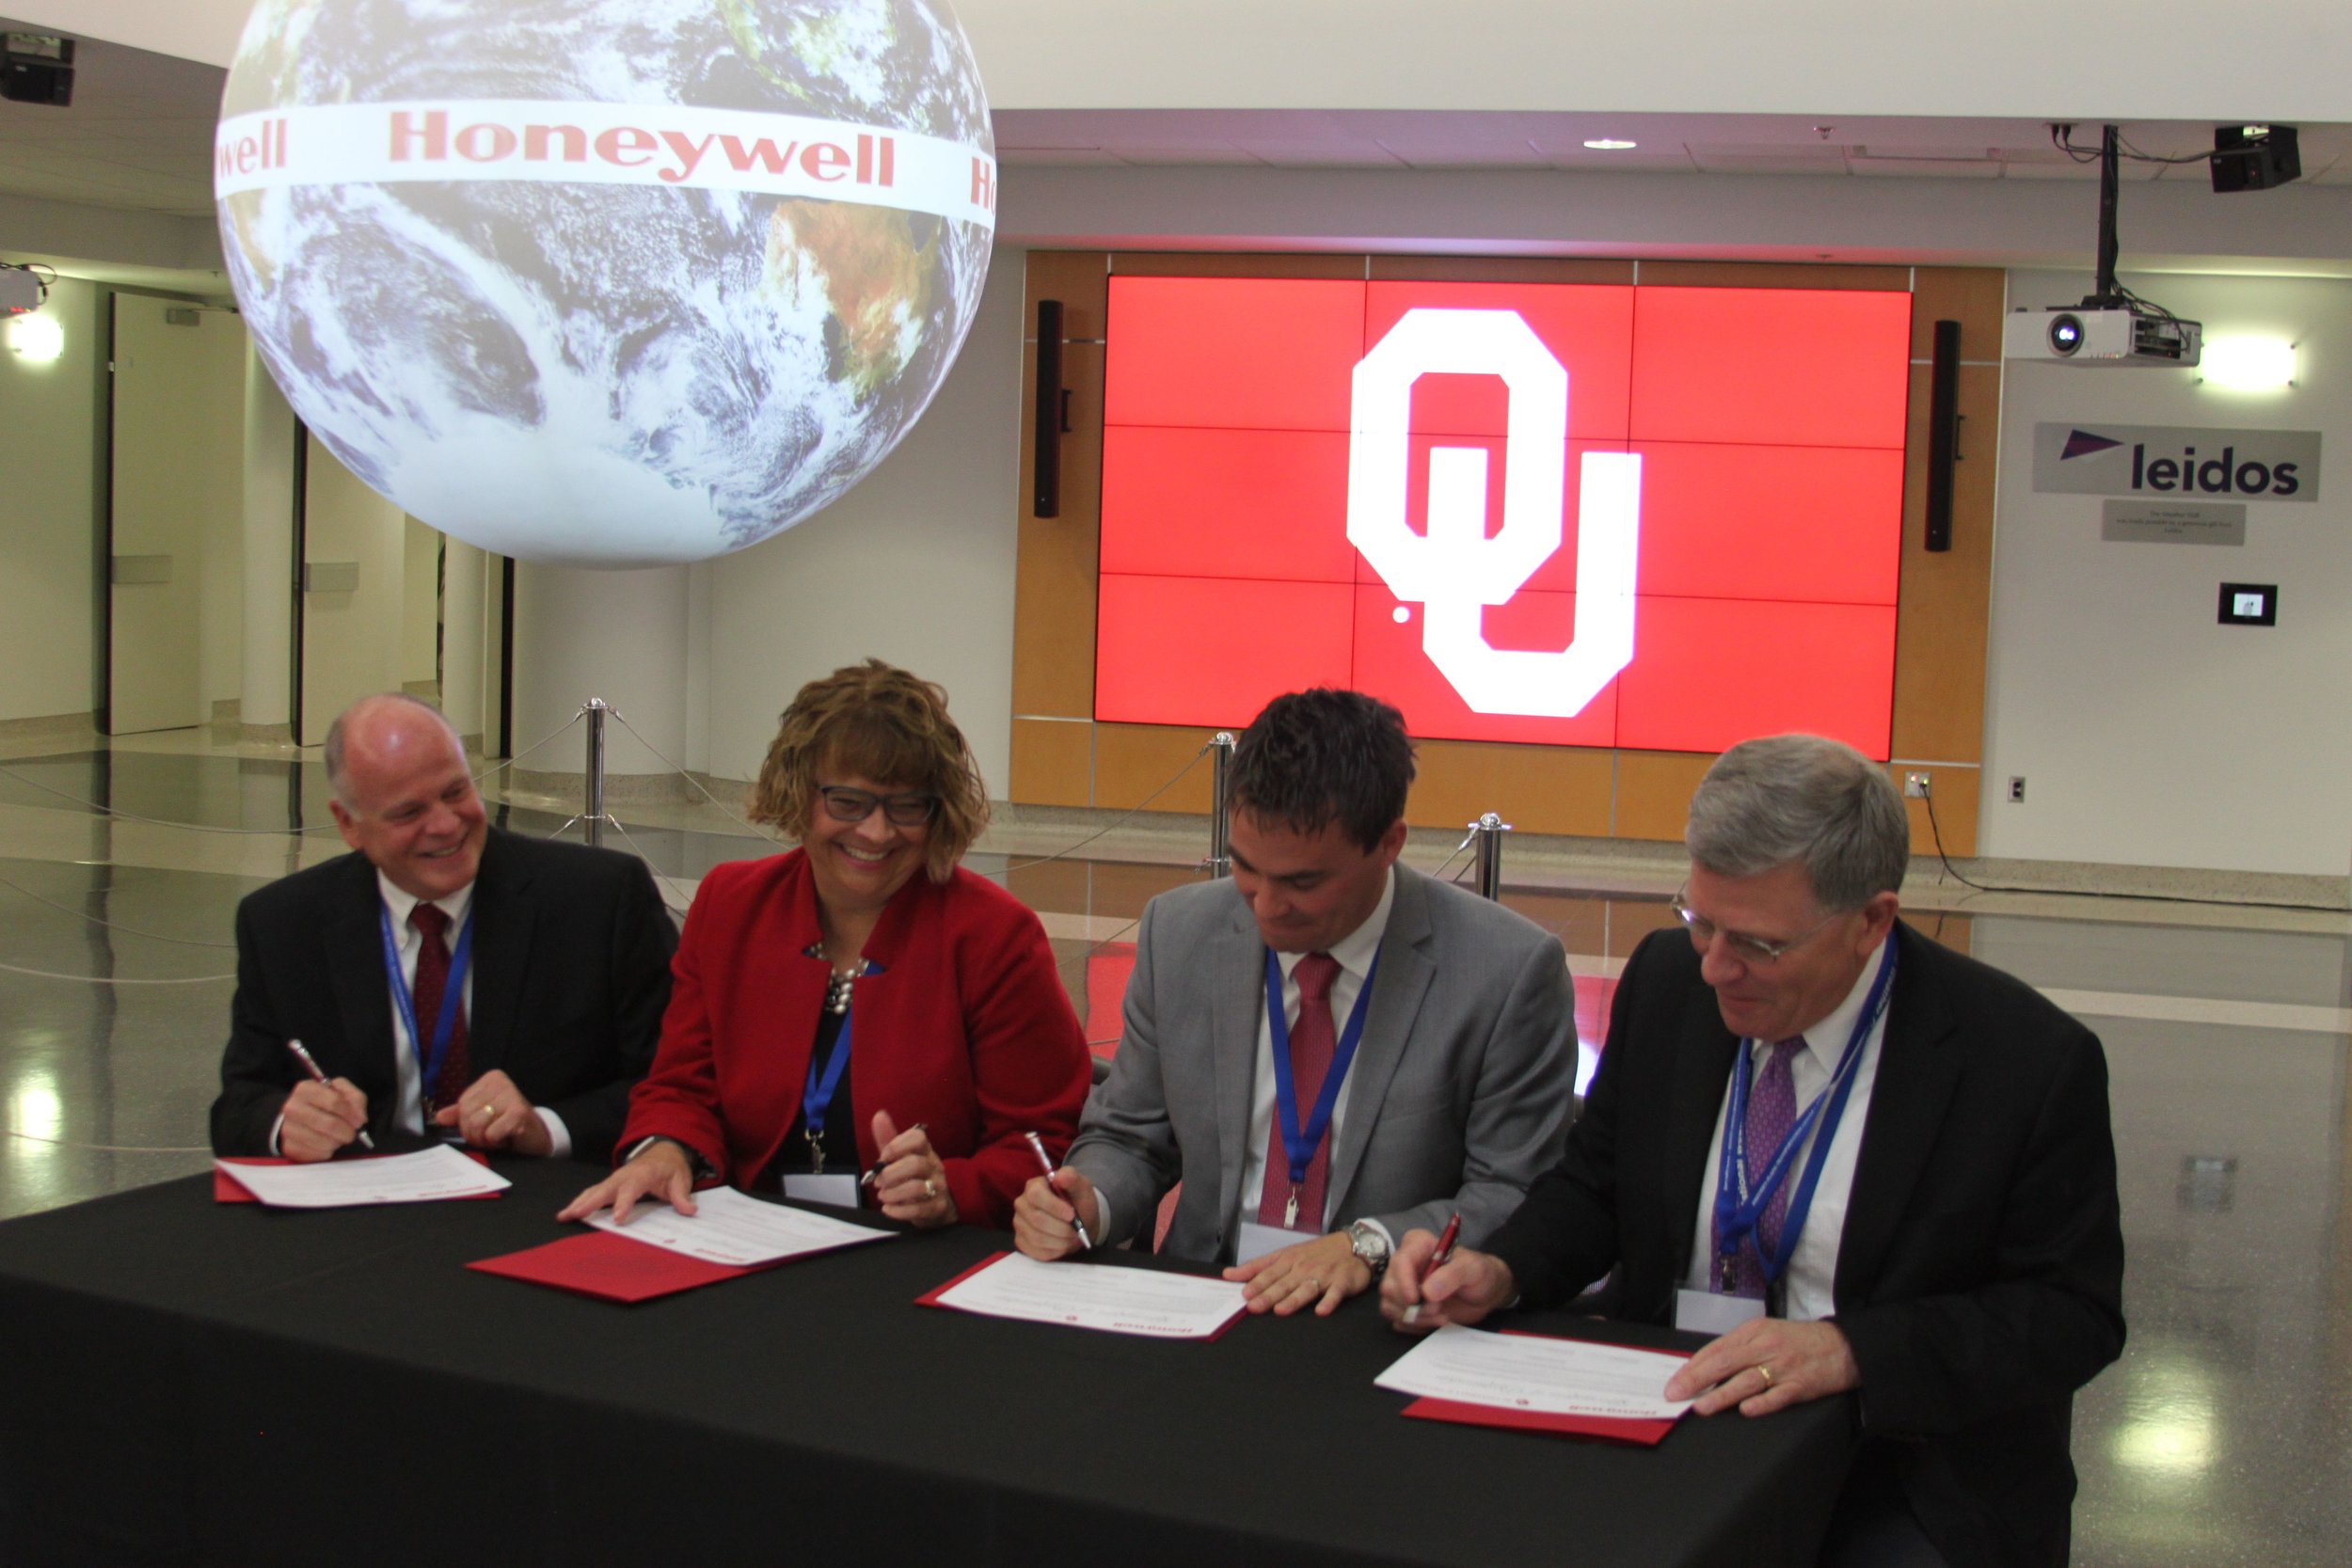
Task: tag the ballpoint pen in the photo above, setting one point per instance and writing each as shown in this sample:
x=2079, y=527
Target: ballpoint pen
x=874, y=1175
x=1437, y=1259
x=310, y=1066
x=1046, y=1162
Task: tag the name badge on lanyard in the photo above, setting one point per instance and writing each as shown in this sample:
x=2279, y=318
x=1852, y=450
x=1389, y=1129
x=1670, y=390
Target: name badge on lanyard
x=1299, y=1141
x=429, y=1058
x=1740, y=1210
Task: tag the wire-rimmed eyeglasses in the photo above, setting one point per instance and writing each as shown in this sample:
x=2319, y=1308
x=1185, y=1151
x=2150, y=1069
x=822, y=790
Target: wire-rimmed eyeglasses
x=1754, y=950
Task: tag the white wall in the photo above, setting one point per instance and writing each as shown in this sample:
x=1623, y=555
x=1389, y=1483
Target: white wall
x=915, y=565
x=2136, y=59
x=49, y=412
x=420, y=602
x=350, y=640
x=2147, y=733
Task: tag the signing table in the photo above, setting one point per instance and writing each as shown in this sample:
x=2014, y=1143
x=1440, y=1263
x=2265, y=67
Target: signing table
x=188, y=1382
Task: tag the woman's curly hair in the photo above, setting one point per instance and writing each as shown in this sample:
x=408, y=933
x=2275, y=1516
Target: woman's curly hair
x=878, y=722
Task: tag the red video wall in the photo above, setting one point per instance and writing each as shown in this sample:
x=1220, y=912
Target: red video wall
x=1769, y=423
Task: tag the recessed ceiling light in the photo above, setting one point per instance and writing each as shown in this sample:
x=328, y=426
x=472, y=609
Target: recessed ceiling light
x=1608, y=144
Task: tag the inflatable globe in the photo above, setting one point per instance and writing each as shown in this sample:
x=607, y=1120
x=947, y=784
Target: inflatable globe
x=606, y=282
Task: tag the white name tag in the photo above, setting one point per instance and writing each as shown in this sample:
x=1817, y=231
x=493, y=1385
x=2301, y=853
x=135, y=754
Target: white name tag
x=1258, y=1240
x=1705, y=1312
x=840, y=1191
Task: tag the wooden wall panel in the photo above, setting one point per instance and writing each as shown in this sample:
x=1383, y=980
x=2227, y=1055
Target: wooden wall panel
x=1198, y=264
x=1654, y=793
x=1767, y=274
x=1132, y=760
x=1974, y=296
x=1957, y=792
x=1054, y=580
x=1538, y=789
x=1500, y=269
x=1053, y=763
x=1080, y=279
x=1945, y=598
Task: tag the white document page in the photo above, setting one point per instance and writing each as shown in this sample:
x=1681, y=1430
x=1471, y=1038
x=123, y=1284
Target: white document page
x=736, y=1228
x=1518, y=1372
x=425, y=1177
x=1095, y=1295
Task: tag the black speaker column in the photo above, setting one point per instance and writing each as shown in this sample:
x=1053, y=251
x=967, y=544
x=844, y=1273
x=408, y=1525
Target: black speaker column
x=1047, y=414
x=1943, y=432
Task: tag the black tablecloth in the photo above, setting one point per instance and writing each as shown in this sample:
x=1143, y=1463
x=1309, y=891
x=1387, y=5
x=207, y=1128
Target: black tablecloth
x=188, y=1382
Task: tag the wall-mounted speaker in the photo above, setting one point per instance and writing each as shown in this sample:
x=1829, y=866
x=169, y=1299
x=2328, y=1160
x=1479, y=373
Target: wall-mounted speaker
x=1943, y=432
x=1047, y=414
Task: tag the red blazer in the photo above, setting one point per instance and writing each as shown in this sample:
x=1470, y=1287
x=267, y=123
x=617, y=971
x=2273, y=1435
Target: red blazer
x=965, y=1026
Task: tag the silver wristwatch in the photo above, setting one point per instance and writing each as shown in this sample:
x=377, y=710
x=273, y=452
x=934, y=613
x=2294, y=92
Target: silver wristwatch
x=1370, y=1243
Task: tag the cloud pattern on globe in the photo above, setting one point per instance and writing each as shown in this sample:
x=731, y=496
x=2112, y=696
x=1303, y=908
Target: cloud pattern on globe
x=662, y=278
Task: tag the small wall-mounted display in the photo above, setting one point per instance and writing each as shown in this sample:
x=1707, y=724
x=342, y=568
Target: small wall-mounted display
x=2249, y=604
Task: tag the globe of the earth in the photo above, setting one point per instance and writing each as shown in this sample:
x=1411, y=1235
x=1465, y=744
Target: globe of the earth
x=606, y=282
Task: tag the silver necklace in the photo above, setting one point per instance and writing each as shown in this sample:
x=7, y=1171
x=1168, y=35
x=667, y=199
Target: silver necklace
x=838, y=983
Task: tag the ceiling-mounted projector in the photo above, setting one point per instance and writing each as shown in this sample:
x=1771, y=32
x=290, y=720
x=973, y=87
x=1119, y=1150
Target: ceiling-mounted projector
x=2106, y=335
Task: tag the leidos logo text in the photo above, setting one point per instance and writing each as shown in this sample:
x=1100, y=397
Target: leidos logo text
x=2215, y=476
x=2165, y=460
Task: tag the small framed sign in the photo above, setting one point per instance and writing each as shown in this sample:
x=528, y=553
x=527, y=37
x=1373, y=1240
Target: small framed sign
x=2249, y=604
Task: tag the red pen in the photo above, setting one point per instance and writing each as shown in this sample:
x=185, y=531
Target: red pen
x=1437, y=1259
x=1046, y=1162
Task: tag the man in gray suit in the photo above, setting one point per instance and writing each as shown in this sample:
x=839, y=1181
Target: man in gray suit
x=1327, y=1050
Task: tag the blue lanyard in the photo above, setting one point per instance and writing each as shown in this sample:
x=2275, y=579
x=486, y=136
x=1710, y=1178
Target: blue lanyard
x=1738, y=1210
x=823, y=1078
x=1299, y=1143
x=453, y=993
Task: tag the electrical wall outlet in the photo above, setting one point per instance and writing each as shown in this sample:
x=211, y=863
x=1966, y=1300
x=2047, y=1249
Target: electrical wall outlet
x=1916, y=785
x=2017, y=789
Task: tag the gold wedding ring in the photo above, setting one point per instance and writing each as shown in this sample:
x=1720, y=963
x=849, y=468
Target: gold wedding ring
x=1766, y=1373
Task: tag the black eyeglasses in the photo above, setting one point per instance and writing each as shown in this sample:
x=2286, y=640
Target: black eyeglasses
x=1754, y=950
x=909, y=810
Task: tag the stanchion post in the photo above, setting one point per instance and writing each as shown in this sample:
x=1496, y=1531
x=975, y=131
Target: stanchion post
x=1488, y=829
x=1220, y=761
x=592, y=810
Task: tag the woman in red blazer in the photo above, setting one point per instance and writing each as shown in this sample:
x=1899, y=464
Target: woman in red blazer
x=861, y=1004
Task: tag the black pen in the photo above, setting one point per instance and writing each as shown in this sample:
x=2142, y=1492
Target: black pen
x=873, y=1175
x=310, y=1066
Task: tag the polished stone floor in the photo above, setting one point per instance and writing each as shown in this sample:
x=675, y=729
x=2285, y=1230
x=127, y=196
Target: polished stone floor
x=2224, y=1436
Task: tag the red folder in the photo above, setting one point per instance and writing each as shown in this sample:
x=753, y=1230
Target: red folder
x=614, y=1268
x=1617, y=1429
x=225, y=1188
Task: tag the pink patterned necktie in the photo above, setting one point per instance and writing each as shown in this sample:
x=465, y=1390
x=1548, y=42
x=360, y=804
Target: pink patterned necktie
x=1312, y=1042
x=1772, y=1111
x=432, y=924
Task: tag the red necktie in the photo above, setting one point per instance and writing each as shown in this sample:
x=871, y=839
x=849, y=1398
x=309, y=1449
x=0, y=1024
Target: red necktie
x=432, y=924
x=1312, y=1041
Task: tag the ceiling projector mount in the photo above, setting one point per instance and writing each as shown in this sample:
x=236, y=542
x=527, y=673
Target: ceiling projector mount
x=2114, y=327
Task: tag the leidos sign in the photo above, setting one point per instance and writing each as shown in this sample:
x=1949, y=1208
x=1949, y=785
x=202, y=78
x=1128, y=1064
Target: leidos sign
x=2176, y=460
x=1388, y=485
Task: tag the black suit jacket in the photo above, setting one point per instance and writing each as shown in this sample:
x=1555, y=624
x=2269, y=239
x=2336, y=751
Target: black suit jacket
x=571, y=972
x=1980, y=1272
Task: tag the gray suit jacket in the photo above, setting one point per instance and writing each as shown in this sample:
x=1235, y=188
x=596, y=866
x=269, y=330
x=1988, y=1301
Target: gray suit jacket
x=1460, y=1094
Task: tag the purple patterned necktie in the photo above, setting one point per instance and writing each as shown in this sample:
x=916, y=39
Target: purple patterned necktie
x=1772, y=1111
x=1312, y=1044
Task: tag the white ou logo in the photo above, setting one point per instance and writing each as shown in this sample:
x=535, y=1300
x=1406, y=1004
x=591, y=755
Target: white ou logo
x=1456, y=570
